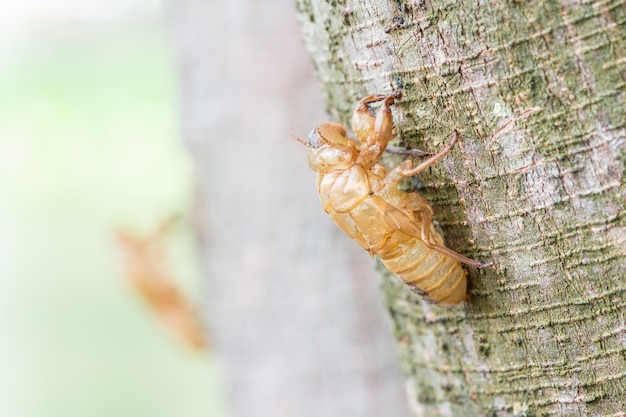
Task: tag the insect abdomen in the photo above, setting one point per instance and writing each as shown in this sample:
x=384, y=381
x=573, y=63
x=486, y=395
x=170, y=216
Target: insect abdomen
x=429, y=273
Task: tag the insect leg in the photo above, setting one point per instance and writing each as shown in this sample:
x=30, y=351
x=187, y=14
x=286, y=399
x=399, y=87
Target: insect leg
x=383, y=125
x=426, y=212
x=378, y=137
x=409, y=172
x=377, y=97
x=403, y=151
x=372, y=99
x=364, y=120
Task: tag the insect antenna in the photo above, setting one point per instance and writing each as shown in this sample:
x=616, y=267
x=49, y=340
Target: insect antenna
x=305, y=143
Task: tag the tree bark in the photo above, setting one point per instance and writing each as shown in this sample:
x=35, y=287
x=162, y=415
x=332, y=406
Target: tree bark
x=296, y=317
x=537, y=91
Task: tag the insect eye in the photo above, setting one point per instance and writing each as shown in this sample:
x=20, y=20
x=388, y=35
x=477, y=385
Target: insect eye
x=314, y=139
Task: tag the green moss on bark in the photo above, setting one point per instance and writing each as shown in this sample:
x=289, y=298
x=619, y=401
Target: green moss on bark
x=537, y=92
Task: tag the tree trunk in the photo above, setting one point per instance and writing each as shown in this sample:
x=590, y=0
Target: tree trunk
x=537, y=91
x=296, y=318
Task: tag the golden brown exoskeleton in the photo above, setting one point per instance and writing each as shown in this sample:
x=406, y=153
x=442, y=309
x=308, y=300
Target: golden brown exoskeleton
x=363, y=199
x=145, y=268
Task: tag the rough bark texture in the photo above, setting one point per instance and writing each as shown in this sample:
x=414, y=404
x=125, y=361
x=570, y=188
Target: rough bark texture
x=537, y=91
x=295, y=313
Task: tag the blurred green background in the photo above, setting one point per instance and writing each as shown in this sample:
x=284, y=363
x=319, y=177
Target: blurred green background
x=89, y=140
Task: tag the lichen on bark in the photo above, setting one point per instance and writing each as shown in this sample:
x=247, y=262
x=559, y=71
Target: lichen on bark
x=537, y=91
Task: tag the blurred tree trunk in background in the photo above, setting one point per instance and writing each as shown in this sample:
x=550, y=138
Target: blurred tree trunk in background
x=295, y=313
x=537, y=91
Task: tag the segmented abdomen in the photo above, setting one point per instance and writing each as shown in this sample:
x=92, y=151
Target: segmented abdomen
x=431, y=274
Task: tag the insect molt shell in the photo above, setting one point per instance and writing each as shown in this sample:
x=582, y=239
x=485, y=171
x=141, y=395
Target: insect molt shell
x=364, y=200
